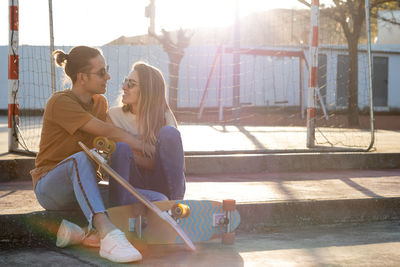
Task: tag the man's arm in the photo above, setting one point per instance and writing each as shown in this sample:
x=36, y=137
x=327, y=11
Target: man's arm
x=97, y=127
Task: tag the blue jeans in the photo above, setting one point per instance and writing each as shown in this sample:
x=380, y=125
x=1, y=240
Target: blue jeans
x=72, y=185
x=168, y=177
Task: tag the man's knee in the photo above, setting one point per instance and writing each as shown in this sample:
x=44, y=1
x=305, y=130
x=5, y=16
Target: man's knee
x=123, y=148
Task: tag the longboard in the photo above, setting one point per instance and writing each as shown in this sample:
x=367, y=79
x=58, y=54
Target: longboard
x=164, y=217
x=205, y=220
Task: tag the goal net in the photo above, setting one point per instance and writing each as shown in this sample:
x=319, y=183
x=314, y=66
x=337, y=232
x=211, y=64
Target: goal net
x=248, y=78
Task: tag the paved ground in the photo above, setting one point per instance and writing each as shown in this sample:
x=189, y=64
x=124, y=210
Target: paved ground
x=374, y=244
x=248, y=138
x=365, y=244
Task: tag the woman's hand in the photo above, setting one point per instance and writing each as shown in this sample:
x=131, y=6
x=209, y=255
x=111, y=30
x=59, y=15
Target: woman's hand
x=149, y=150
x=143, y=161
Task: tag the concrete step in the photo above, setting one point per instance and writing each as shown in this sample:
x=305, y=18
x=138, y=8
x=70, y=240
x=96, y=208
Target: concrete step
x=265, y=201
x=261, y=217
x=17, y=167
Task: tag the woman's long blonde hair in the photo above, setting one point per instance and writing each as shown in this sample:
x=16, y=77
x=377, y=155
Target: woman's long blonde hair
x=152, y=103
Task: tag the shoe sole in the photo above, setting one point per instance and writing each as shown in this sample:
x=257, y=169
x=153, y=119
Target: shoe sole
x=112, y=258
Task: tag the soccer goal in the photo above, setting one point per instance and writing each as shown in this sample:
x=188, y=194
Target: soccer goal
x=282, y=77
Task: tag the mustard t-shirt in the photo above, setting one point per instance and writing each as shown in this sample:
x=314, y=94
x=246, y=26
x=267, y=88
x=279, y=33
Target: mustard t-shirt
x=63, y=116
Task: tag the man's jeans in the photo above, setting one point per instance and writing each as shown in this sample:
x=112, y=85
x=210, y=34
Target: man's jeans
x=72, y=185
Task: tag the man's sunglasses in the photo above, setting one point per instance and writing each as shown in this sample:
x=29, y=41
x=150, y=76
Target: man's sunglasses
x=101, y=73
x=130, y=82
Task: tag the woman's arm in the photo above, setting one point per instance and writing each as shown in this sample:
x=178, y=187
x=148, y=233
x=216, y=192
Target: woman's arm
x=97, y=127
x=144, y=162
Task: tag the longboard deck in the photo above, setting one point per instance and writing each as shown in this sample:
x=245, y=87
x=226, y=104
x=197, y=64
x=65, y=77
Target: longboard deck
x=200, y=225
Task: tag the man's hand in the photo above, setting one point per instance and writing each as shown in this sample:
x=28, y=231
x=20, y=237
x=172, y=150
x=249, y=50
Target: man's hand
x=97, y=127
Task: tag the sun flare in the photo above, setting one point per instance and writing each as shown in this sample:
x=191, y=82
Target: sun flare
x=210, y=13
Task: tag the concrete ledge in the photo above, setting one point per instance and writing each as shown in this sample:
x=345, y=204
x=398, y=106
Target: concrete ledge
x=19, y=167
x=16, y=168
x=41, y=227
x=290, y=162
x=264, y=216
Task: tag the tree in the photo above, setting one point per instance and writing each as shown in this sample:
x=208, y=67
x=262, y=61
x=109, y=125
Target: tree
x=175, y=51
x=350, y=14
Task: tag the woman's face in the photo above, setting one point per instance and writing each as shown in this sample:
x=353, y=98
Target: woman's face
x=131, y=89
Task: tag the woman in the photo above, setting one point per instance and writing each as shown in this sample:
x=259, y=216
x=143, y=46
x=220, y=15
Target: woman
x=145, y=113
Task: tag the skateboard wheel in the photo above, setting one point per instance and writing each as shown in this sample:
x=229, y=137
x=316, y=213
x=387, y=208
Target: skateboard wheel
x=180, y=210
x=228, y=204
x=111, y=146
x=228, y=238
x=101, y=143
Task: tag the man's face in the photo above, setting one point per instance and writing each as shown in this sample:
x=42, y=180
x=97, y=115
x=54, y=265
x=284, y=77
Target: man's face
x=97, y=76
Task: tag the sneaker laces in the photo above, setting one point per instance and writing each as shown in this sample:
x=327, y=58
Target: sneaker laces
x=120, y=236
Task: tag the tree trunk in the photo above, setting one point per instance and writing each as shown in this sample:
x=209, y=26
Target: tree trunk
x=353, y=119
x=173, y=84
x=175, y=58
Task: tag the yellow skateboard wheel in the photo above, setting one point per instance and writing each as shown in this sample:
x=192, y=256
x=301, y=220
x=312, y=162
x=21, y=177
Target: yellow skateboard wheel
x=180, y=210
x=111, y=146
x=101, y=143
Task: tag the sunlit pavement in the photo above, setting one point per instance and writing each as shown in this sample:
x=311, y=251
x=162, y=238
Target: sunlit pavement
x=373, y=244
x=373, y=241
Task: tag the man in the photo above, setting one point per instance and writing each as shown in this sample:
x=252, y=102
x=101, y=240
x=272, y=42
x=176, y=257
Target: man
x=64, y=177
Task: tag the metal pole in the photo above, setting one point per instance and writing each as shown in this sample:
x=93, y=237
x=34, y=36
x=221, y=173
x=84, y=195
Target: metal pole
x=52, y=65
x=236, y=68
x=13, y=76
x=371, y=102
x=313, y=74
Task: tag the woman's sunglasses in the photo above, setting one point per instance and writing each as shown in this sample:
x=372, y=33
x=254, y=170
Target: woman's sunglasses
x=130, y=82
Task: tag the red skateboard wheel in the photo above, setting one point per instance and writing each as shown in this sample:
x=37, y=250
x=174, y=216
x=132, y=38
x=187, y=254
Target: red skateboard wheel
x=228, y=204
x=228, y=238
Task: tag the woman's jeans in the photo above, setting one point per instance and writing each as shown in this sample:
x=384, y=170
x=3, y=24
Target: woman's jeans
x=72, y=185
x=168, y=177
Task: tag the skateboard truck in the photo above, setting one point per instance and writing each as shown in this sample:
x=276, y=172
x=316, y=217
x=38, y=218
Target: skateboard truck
x=224, y=220
x=137, y=225
x=104, y=147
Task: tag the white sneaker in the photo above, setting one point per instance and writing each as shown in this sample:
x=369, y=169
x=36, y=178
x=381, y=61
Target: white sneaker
x=69, y=234
x=115, y=247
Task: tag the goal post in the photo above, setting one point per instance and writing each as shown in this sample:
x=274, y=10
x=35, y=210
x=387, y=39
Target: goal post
x=313, y=73
x=13, y=76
